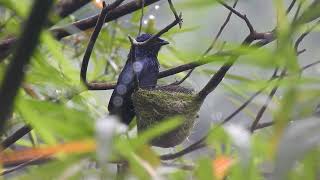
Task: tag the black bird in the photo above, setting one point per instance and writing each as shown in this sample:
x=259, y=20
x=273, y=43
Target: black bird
x=146, y=67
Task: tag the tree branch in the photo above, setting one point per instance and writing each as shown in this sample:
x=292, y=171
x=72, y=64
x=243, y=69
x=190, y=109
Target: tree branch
x=15, y=137
x=93, y=38
x=16, y=70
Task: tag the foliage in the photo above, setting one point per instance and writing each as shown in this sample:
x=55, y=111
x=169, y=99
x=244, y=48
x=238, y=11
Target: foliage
x=61, y=110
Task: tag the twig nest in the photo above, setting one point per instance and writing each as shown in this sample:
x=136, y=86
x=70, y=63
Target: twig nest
x=155, y=105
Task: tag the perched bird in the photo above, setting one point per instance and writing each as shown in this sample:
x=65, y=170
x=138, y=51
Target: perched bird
x=146, y=68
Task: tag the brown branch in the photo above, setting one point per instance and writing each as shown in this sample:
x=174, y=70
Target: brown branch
x=81, y=25
x=16, y=70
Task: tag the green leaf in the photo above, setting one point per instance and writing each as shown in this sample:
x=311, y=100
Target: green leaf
x=52, y=120
x=205, y=169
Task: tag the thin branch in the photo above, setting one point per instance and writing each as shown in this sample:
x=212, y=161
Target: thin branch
x=183, y=79
x=309, y=66
x=265, y=105
x=263, y=108
x=244, y=17
x=189, y=149
x=141, y=17
x=175, y=12
x=293, y=2
x=220, y=30
x=15, y=137
x=227, y=119
x=297, y=12
x=93, y=38
x=20, y=166
x=302, y=36
x=16, y=70
x=263, y=125
x=11, y=15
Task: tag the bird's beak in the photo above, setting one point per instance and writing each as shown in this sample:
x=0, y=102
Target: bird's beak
x=163, y=42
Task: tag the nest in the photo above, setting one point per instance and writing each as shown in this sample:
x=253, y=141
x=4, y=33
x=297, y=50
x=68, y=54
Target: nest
x=156, y=105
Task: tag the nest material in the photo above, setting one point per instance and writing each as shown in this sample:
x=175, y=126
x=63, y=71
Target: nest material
x=153, y=106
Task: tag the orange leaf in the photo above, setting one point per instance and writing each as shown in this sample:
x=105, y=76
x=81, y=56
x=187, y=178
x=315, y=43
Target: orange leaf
x=221, y=165
x=46, y=152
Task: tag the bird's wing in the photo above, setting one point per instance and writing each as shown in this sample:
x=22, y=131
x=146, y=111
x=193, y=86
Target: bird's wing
x=123, y=89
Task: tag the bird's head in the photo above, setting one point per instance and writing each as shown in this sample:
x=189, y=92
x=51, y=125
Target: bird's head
x=152, y=48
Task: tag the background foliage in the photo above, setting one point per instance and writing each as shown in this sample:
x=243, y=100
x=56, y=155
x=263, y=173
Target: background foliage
x=72, y=122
